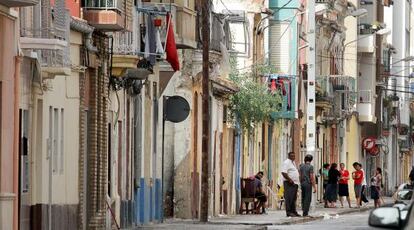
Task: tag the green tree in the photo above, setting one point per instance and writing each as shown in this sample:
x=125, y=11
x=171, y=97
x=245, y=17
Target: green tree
x=254, y=102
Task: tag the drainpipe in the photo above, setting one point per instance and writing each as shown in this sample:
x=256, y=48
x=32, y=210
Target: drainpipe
x=87, y=30
x=16, y=140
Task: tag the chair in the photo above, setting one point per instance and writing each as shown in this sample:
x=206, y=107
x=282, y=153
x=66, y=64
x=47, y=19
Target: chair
x=248, y=191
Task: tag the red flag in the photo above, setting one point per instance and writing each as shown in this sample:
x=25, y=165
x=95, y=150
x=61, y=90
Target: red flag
x=170, y=46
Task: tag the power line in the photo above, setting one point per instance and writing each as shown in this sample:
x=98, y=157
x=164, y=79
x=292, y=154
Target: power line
x=287, y=3
x=359, y=60
x=226, y=7
x=398, y=91
x=274, y=44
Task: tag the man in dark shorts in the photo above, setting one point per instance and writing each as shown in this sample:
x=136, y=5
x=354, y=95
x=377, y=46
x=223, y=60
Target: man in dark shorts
x=260, y=193
x=343, y=190
x=324, y=174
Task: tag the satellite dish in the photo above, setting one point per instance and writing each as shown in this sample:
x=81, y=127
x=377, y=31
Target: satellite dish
x=176, y=109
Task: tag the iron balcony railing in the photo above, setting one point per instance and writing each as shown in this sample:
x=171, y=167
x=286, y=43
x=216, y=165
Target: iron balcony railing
x=54, y=25
x=104, y=4
x=124, y=43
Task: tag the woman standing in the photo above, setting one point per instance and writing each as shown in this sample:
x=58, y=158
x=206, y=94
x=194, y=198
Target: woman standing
x=376, y=182
x=332, y=187
x=343, y=190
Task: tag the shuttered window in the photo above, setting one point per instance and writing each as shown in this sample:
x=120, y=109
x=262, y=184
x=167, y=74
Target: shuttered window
x=279, y=46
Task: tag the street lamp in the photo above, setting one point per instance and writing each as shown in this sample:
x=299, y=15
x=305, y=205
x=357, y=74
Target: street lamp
x=359, y=13
x=378, y=32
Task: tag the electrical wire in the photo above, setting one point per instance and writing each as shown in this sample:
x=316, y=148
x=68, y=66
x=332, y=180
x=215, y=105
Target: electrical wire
x=359, y=60
x=287, y=3
x=273, y=45
x=231, y=12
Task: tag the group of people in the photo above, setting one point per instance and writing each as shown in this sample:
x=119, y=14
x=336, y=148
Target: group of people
x=335, y=184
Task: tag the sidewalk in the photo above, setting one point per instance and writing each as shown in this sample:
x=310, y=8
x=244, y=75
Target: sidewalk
x=277, y=217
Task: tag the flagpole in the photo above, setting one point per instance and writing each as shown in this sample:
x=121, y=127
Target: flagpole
x=169, y=17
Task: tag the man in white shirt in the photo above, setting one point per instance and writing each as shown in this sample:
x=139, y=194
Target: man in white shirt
x=291, y=182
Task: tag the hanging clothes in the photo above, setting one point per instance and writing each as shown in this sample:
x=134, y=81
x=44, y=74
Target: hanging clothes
x=281, y=86
x=150, y=41
x=273, y=86
x=159, y=48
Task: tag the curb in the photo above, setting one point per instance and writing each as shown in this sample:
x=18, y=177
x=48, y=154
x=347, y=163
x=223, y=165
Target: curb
x=298, y=220
x=306, y=220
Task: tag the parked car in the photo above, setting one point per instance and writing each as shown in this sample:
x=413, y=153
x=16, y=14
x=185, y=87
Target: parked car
x=400, y=216
x=403, y=194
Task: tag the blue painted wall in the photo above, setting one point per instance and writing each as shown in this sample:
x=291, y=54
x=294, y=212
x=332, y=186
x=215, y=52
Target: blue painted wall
x=237, y=159
x=148, y=202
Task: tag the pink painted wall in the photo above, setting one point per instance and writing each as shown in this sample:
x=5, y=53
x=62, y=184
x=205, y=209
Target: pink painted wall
x=72, y=5
x=303, y=17
x=8, y=51
x=8, y=141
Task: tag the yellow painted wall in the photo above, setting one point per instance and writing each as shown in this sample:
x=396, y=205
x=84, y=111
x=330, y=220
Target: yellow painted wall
x=353, y=147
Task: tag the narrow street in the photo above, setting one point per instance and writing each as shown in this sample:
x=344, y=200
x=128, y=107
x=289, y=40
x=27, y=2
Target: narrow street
x=353, y=221
x=204, y=114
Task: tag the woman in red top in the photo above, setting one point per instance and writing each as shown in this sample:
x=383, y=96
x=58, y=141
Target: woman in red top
x=343, y=190
x=357, y=175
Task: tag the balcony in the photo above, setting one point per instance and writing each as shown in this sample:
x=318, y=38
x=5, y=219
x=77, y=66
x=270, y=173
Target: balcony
x=47, y=42
x=125, y=53
x=19, y=3
x=106, y=15
x=183, y=19
x=287, y=85
x=366, y=39
x=366, y=44
x=185, y=27
x=366, y=106
x=324, y=92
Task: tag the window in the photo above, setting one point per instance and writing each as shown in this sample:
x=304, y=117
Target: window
x=386, y=59
x=24, y=149
x=55, y=139
x=237, y=35
x=62, y=137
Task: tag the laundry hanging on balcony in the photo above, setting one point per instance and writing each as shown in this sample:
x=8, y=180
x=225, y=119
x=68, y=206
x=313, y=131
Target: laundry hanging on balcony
x=150, y=42
x=153, y=47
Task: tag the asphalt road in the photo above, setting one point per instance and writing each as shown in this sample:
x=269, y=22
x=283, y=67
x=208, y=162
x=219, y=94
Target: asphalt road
x=358, y=221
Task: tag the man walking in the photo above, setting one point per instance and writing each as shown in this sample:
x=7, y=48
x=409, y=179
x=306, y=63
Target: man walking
x=343, y=190
x=291, y=183
x=307, y=181
x=364, y=188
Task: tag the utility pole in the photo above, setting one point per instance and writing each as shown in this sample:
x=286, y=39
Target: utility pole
x=311, y=116
x=205, y=14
